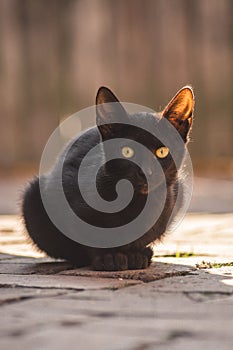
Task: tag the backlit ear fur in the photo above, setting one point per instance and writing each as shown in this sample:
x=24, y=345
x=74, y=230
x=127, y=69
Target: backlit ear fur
x=179, y=111
x=108, y=110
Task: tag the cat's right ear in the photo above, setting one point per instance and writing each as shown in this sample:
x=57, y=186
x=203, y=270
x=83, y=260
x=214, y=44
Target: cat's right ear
x=179, y=111
x=108, y=111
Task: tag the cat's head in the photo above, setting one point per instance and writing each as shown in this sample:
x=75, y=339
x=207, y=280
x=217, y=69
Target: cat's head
x=115, y=123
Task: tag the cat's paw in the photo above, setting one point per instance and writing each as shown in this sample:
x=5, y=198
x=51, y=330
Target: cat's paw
x=123, y=261
x=140, y=259
x=110, y=262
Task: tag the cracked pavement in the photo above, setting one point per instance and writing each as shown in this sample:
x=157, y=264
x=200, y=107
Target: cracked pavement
x=48, y=304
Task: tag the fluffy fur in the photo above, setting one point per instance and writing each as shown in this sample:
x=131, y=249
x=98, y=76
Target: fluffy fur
x=137, y=254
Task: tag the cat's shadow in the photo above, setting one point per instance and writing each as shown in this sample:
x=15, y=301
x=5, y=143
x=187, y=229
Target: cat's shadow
x=47, y=266
x=212, y=282
x=157, y=271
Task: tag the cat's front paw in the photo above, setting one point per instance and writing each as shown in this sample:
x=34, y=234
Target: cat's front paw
x=140, y=259
x=123, y=261
x=110, y=262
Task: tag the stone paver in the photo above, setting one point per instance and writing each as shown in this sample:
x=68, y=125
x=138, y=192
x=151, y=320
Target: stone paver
x=47, y=304
x=66, y=282
x=156, y=271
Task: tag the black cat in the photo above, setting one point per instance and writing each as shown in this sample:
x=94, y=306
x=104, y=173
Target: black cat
x=113, y=122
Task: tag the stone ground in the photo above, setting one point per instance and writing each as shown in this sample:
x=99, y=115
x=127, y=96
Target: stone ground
x=183, y=301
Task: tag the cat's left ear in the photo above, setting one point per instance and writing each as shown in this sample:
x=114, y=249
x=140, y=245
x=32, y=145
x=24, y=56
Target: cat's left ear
x=109, y=110
x=179, y=111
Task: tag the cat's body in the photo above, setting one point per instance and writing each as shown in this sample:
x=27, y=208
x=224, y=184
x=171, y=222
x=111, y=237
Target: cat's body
x=135, y=254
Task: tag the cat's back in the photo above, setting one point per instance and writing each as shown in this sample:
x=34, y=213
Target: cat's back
x=79, y=146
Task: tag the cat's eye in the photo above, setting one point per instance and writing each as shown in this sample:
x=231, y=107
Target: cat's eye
x=127, y=152
x=162, y=152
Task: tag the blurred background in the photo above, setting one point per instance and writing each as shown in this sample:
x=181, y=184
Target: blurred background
x=55, y=54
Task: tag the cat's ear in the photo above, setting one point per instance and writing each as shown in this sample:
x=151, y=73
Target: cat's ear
x=108, y=111
x=179, y=111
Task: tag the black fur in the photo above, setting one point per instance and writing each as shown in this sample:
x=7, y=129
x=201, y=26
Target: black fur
x=134, y=255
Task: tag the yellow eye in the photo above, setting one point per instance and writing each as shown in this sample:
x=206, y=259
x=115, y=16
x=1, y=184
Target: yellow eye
x=127, y=152
x=162, y=152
